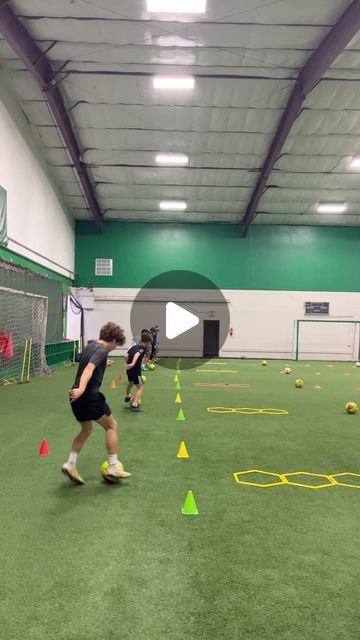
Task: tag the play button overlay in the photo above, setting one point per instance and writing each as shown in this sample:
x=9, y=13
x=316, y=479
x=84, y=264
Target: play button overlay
x=178, y=320
x=192, y=315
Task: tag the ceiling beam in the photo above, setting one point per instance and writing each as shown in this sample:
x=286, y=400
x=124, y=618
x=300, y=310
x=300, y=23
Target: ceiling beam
x=40, y=68
x=332, y=45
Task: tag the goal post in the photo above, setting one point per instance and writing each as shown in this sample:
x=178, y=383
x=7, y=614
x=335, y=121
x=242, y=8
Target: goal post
x=327, y=340
x=23, y=319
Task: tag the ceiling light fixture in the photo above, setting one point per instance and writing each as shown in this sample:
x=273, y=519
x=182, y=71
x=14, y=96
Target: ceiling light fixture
x=172, y=158
x=355, y=162
x=331, y=207
x=176, y=6
x=173, y=205
x=174, y=82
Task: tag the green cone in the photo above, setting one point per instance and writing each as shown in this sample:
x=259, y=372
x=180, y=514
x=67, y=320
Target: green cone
x=178, y=385
x=190, y=508
x=181, y=415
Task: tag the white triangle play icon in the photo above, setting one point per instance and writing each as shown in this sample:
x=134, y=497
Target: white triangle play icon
x=178, y=320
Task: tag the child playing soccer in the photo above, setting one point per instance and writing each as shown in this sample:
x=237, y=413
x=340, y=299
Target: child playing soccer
x=134, y=358
x=88, y=404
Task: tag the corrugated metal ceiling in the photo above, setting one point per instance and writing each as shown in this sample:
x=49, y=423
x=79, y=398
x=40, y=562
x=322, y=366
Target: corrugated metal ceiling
x=245, y=60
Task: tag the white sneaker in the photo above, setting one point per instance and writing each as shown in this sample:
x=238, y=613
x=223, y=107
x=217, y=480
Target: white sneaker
x=72, y=473
x=117, y=471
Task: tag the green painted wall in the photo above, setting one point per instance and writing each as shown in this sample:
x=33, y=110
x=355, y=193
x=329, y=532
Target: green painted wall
x=271, y=257
x=15, y=258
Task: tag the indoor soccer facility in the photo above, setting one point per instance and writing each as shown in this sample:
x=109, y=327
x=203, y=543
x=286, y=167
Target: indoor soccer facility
x=180, y=280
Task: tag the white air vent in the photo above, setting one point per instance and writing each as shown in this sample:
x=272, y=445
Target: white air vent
x=103, y=267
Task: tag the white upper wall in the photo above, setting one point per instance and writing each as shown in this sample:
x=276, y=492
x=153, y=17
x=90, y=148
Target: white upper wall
x=39, y=226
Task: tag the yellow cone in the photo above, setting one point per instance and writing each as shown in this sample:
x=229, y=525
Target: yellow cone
x=178, y=399
x=176, y=379
x=183, y=453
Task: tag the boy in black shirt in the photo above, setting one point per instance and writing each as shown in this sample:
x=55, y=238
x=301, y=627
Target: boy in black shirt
x=134, y=358
x=87, y=403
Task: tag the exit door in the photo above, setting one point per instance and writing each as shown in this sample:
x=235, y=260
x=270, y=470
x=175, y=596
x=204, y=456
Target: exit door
x=211, y=338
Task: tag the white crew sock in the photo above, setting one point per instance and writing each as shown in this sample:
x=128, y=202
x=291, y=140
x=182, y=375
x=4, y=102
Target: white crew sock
x=72, y=458
x=113, y=460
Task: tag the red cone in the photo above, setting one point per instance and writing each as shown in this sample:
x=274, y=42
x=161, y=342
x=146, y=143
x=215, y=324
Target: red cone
x=3, y=341
x=9, y=349
x=121, y=377
x=44, y=449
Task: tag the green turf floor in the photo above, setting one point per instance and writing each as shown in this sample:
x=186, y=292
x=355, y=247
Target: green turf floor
x=121, y=562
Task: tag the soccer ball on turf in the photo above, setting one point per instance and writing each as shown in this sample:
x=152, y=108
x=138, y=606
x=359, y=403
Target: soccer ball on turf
x=287, y=370
x=143, y=378
x=104, y=466
x=351, y=407
x=299, y=384
x=357, y=364
x=132, y=401
x=152, y=366
x=264, y=363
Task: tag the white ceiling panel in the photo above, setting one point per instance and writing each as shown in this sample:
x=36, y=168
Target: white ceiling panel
x=209, y=92
x=111, y=32
x=152, y=204
x=173, y=176
x=343, y=181
x=111, y=140
x=175, y=119
x=310, y=220
x=170, y=192
x=286, y=12
x=310, y=195
x=97, y=158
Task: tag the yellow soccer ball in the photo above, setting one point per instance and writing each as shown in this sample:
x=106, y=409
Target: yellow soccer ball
x=152, y=366
x=143, y=378
x=351, y=407
x=299, y=384
x=132, y=401
x=264, y=363
x=104, y=466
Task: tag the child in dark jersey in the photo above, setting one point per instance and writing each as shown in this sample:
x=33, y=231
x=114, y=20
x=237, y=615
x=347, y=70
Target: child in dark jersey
x=134, y=358
x=88, y=403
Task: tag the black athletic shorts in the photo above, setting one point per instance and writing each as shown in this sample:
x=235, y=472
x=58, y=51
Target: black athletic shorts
x=134, y=377
x=90, y=407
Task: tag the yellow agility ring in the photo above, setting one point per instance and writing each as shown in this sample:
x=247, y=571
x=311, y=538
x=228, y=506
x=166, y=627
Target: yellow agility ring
x=345, y=475
x=323, y=481
x=250, y=411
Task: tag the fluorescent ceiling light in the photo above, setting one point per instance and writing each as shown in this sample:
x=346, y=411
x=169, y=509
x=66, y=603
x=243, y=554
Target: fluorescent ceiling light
x=172, y=158
x=355, y=162
x=176, y=6
x=174, y=82
x=331, y=207
x=173, y=205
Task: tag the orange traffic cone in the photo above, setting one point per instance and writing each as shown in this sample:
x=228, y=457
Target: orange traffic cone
x=44, y=449
x=113, y=385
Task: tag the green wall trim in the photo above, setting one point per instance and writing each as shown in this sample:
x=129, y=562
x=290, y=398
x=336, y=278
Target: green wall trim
x=15, y=258
x=271, y=257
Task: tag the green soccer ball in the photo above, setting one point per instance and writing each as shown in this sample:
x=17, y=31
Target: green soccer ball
x=299, y=384
x=143, y=378
x=351, y=407
x=152, y=367
x=264, y=363
x=104, y=466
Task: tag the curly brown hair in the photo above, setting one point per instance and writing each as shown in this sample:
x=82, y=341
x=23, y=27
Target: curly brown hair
x=111, y=332
x=146, y=337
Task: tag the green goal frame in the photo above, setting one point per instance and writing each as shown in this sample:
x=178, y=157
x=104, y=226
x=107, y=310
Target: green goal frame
x=298, y=322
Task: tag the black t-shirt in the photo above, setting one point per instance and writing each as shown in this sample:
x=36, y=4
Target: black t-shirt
x=98, y=355
x=136, y=348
